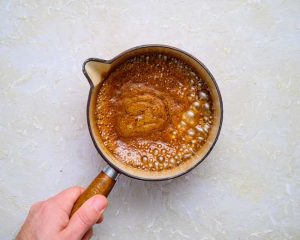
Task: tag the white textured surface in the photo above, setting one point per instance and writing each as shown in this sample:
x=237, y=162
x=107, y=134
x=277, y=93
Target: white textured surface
x=248, y=188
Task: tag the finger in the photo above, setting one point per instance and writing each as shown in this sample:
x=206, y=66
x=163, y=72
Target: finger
x=88, y=235
x=67, y=198
x=86, y=216
x=100, y=220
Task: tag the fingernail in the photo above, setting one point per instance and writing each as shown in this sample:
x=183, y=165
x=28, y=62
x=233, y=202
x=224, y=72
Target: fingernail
x=98, y=204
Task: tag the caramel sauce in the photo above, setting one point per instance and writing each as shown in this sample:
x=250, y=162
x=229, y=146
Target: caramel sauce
x=153, y=112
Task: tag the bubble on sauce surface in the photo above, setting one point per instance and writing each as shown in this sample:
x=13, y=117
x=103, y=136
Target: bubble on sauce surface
x=189, y=114
x=160, y=158
x=196, y=105
x=145, y=159
x=182, y=125
x=155, y=151
x=191, y=132
x=206, y=127
x=207, y=106
x=187, y=155
x=172, y=161
x=199, y=128
x=203, y=95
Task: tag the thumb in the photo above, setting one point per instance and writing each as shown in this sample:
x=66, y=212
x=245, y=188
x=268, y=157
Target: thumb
x=86, y=216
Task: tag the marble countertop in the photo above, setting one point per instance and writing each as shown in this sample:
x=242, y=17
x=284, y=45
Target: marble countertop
x=249, y=186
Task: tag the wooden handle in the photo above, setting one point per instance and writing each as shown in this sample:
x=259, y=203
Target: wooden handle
x=102, y=184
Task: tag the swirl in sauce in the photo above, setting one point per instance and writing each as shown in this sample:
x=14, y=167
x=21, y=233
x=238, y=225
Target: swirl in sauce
x=153, y=112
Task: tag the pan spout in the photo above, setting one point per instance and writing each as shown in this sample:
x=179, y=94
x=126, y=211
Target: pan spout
x=95, y=70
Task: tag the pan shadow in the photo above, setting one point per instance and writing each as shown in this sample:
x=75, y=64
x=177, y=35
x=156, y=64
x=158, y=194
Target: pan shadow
x=144, y=208
x=140, y=197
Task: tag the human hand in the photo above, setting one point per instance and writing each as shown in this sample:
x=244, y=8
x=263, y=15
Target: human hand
x=50, y=219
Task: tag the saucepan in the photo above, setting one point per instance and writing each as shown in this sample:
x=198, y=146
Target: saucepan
x=96, y=71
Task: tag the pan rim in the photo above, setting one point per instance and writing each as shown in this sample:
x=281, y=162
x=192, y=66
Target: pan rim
x=89, y=99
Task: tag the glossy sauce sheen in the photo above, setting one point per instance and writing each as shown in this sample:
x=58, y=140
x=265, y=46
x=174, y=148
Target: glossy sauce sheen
x=153, y=112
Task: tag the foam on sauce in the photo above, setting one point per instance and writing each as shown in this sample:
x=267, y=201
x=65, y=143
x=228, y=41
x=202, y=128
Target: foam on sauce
x=154, y=112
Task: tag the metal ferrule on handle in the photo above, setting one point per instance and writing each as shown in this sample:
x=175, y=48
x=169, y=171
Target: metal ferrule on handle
x=109, y=171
